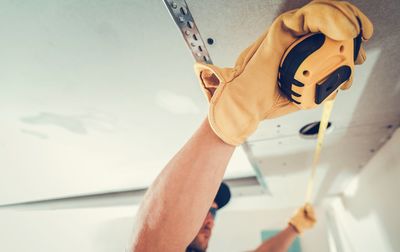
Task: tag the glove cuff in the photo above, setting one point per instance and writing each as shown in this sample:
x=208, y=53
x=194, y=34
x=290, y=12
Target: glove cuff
x=295, y=226
x=213, y=81
x=209, y=77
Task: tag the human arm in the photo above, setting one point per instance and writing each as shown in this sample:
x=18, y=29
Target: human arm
x=176, y=204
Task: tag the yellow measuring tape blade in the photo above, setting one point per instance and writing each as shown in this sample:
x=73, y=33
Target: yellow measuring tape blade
x=326, y=113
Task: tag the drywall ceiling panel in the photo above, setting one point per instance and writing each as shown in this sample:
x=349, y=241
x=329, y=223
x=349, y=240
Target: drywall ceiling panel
x=286, y=162
x=233, y=25
x=95, y=97
x=363, y=117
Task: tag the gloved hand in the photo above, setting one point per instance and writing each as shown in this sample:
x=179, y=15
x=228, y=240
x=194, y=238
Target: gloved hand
x=303, y=219
x=242, y=96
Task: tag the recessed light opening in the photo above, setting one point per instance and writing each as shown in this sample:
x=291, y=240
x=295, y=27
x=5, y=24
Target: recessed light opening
x=310, y=131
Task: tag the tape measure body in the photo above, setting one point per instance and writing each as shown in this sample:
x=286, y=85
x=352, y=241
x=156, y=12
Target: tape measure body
x=314, y=67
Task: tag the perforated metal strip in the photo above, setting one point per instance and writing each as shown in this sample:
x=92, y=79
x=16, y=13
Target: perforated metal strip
x=183, y=18
x=180, y=12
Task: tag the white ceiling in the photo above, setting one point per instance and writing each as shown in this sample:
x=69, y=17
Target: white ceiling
x=97, y=97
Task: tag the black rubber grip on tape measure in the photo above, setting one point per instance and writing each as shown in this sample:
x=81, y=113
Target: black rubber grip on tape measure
x=293, y=61
x=357, y=41
x=357, y=46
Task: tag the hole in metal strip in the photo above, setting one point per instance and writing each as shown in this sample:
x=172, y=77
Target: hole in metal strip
x=183, y=11
x=174, y=5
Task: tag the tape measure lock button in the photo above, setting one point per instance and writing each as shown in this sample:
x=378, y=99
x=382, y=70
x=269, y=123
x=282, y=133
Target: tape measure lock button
x=331, y=83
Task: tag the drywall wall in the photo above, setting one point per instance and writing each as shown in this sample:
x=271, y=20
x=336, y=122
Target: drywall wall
x=367, y=215
x=78, y=230
x=241, y=230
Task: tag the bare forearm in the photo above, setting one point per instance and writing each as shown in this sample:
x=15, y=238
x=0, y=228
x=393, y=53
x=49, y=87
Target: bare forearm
x=177, y=202
x=280, y=242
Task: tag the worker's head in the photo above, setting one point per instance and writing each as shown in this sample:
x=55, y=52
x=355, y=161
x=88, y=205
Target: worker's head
x=200, y=242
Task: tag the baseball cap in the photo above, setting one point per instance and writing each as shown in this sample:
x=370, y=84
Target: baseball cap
x=223, y=195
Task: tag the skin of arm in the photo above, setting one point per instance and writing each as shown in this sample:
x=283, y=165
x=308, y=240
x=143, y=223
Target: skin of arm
x=280, y=242
x=177, y=202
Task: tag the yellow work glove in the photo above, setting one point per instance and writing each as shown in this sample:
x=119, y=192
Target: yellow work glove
x=242, y=96
x=303, y=219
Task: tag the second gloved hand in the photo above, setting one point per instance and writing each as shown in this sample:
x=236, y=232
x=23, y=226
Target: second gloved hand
x=303, y=219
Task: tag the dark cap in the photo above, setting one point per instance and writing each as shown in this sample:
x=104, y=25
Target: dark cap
x=223, y=195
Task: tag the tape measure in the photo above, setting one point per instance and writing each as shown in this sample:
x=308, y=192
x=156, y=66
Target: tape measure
x=311, y=72
x=314, y=67
x=326, y=114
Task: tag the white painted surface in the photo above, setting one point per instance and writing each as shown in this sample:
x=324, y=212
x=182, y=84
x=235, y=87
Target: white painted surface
x=94, y=97
x=241, y=230
x=368, y=213
x=80, y=230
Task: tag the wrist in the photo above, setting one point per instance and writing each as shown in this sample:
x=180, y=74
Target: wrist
x=292, y=229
